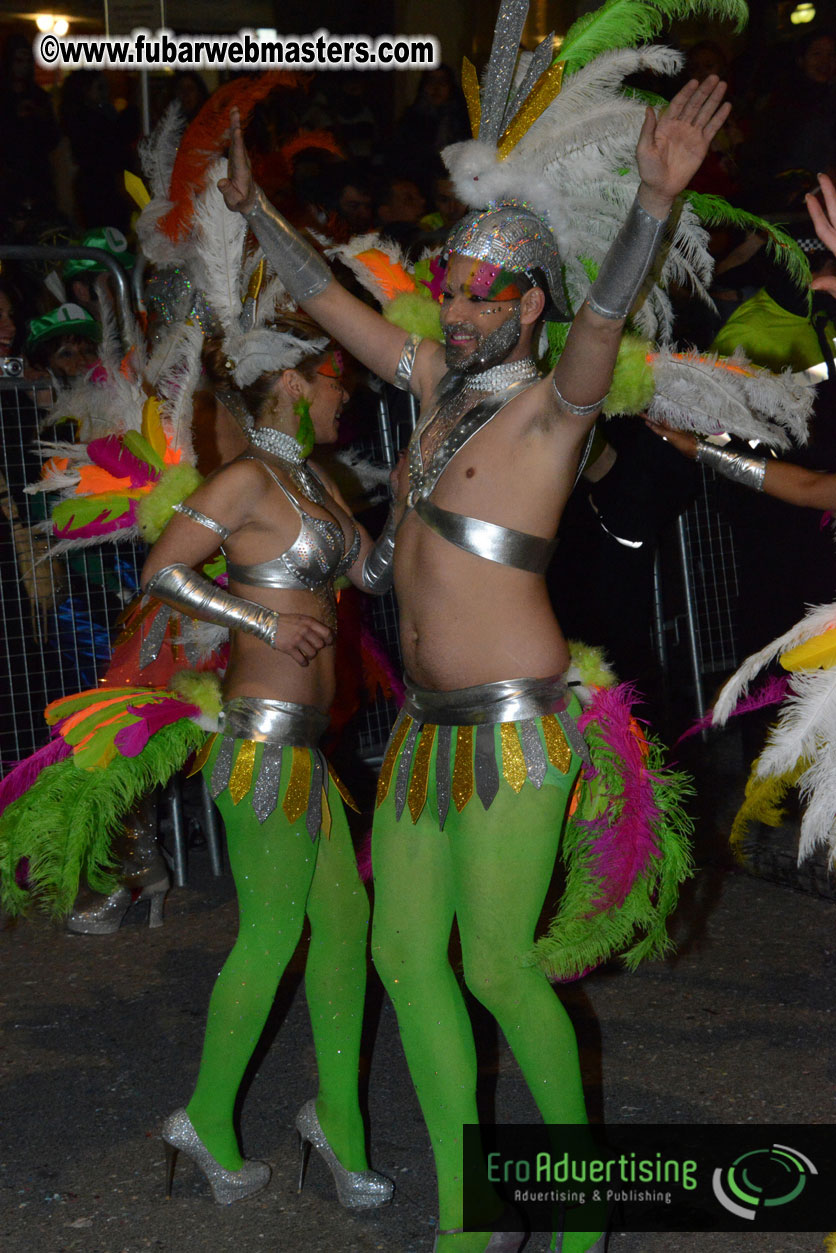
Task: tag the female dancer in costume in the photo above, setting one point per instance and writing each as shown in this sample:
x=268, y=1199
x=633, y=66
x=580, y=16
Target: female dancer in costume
x=287, y=536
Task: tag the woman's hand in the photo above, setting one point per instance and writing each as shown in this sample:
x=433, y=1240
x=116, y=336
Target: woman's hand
x=672, y=147
x=824, y=220
x=238, y=188
x=683, y=441
x=300, y=637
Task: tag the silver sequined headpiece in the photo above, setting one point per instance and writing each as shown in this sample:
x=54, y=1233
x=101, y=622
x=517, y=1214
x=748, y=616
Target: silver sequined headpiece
x=508, y=233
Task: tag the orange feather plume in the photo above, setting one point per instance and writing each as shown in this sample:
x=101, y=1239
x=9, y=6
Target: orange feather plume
x=206, y=138
x=392, y=279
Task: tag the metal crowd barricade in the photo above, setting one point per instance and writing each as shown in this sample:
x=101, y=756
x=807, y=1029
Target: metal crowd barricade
x=57, y=614
x=395, y=423
x=706, y=571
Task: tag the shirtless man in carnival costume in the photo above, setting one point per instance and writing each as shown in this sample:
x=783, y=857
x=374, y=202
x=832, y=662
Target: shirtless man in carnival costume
x=490, y=467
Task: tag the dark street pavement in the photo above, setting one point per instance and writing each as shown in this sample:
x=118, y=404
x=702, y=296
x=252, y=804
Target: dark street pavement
x=101, y=1039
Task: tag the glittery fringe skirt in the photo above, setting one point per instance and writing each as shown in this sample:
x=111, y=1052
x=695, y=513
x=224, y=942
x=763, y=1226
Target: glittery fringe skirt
x=512, y=730
x=268, y=751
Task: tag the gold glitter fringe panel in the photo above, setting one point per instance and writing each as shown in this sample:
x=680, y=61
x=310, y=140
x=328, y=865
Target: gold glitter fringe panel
x=343, y=790
x=417, y=794
x=557, y=746
x=202, y=754
x=295, y=801
x=513, y=758
x=385, y=778
x=241, y=779
x=463, y=768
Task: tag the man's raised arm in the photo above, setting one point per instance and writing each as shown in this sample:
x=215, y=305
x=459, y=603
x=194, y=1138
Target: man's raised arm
x=670, y=150
x=305, y=274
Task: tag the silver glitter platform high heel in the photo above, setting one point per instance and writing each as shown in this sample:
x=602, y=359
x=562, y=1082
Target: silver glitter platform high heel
x=95, y=914
x=142, y=874
x=179, y=1136
x=356, y=1189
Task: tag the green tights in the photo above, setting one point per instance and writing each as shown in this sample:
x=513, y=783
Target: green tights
x=280, y=876
x=491, y=871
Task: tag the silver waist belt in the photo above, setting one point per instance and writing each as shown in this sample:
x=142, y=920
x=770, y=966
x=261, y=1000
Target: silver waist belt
x=271, y=721
x=508, y=700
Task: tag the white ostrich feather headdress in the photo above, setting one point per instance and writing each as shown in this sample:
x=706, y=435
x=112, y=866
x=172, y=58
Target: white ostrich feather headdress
x=556, y=140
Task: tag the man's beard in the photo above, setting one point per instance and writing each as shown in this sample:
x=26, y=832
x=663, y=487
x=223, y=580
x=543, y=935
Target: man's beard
x=490, y=349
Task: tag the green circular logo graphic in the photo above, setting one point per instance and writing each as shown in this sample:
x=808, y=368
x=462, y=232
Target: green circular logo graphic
x=762, y=1178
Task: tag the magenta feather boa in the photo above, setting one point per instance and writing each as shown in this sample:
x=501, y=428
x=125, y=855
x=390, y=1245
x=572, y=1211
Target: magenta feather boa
x=624, y=841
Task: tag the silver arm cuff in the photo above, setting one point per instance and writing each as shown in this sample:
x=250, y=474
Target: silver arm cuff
x=378, y=568
x=192, y=594
x=626, y=265
x=195, y=516
x=749, y=471
x=299, y=266
x=580, y=411
x=406, y=363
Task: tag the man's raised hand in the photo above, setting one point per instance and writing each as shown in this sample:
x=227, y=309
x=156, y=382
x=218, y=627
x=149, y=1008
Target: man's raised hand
x=672, y=147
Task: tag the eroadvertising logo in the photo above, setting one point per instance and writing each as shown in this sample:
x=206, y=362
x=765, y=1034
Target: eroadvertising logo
x=660, y=1177
x=773, y=1176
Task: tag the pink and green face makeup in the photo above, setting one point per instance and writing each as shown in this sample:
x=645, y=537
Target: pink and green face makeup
x=333, y=367
x=490, y=282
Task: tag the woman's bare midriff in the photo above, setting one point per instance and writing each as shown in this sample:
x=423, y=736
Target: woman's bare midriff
x=255, y=669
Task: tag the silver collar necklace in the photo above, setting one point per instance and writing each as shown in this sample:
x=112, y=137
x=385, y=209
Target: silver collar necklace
x=279, y=443
x=498, y=377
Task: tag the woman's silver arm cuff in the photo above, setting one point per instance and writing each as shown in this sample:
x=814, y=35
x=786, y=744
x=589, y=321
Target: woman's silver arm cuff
x=191, y=593
x=625, y=266
x=378, y=568
x=733, y=465
x=580, y=411
x=204, y=520
x=406, y=363
x=299, y=266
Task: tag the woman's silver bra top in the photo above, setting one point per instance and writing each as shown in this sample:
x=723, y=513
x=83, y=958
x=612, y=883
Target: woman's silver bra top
x=315, y=557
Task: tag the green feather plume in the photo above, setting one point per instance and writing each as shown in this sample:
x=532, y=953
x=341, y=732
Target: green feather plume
x=419, y=314
x=153, y=512
x=581, y=937
x=65, y=824
x=201, y=687
x=715, y=211
x=628, y=23
x=632, y=386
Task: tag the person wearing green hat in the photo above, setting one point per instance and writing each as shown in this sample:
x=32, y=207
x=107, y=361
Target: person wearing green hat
x=63, y=341
x=85, y=279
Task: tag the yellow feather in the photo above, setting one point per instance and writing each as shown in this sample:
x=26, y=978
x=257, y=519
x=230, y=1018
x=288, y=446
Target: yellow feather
x=152, y=427
x=819, y=653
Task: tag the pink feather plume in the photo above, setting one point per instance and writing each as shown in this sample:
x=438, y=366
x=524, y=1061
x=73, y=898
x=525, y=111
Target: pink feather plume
x=624, y=845
x=21, y=777
x=769, y=693
x=132, y=739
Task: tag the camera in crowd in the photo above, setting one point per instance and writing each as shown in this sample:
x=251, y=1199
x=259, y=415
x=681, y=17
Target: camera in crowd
x=11, y=367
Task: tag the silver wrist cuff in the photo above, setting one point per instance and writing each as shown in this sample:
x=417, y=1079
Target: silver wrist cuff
x=195, y=516
x=626, y=265
x=749, y=471
x=580, y=411
x=378, y=568
x=406, y=363
x=192, y=594
x=299, y=266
